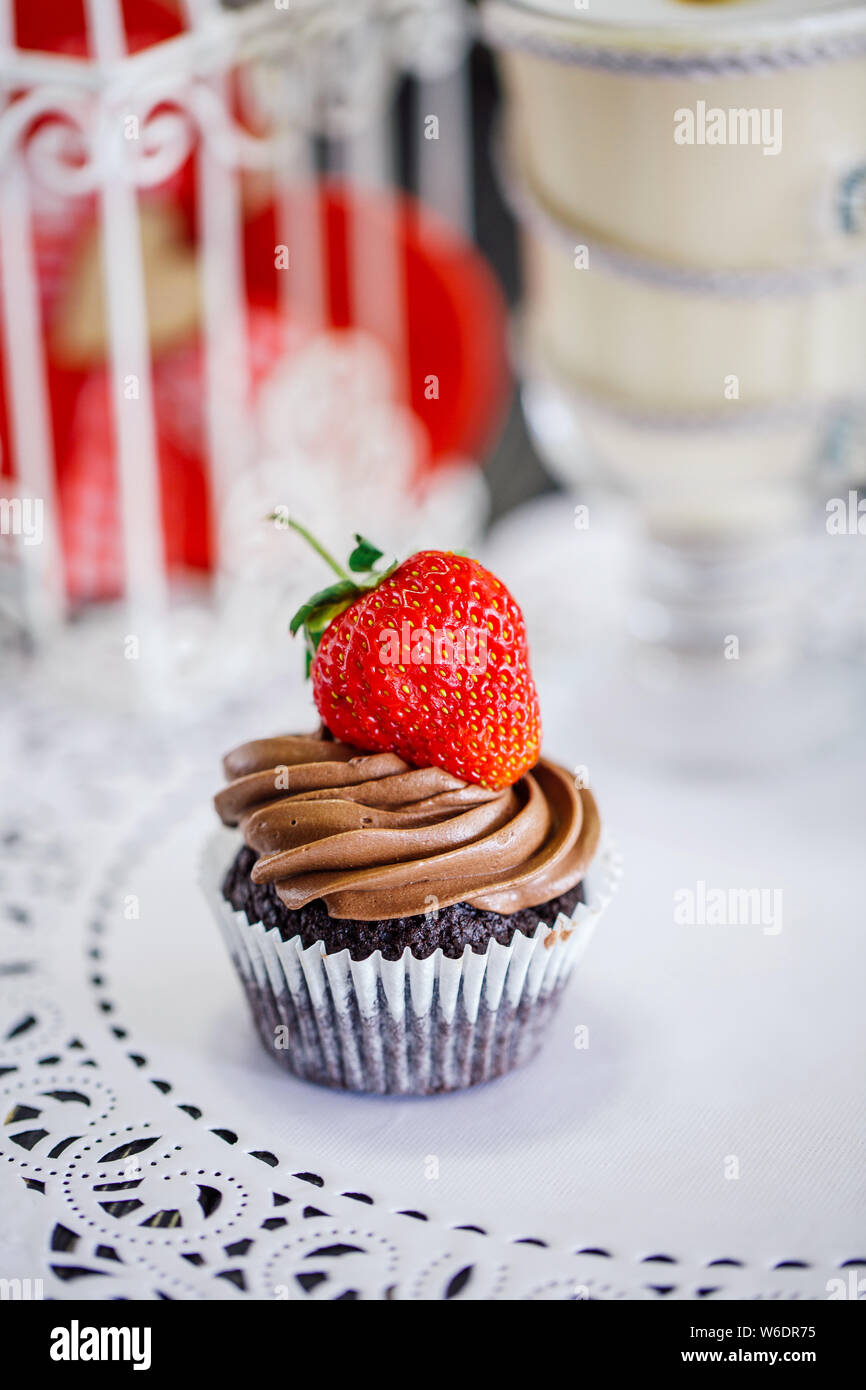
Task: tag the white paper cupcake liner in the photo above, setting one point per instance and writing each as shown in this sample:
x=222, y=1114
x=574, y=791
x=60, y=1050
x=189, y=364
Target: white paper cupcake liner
x=407, y=1027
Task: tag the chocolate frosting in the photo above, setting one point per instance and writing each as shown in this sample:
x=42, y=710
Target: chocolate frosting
x=377, y=838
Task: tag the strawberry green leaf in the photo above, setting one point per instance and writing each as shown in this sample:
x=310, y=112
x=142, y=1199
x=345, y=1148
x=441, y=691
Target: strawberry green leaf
x=364, y=556
x=345, y=589
x=322, y=616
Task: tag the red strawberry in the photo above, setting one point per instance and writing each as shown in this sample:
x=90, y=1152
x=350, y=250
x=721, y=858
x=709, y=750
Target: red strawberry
x=427, y=659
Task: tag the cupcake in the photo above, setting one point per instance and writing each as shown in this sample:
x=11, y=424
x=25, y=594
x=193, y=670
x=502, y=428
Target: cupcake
x=408, y=893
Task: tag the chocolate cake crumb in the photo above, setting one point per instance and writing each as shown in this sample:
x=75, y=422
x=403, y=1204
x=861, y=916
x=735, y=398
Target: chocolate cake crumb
x=452, y=927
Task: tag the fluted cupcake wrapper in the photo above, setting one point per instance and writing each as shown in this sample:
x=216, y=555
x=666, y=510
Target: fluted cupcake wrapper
x=408, y=1027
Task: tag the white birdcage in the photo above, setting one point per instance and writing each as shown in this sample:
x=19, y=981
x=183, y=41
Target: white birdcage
x=233, y=100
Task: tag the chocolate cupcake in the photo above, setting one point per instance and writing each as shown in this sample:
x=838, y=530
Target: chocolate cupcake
x=404, y=909
x=424, y=958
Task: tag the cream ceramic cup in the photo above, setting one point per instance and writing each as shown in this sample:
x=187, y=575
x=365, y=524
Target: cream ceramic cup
x=599, y=102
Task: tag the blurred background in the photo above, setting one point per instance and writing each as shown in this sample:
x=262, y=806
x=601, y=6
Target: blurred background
x=452, y=274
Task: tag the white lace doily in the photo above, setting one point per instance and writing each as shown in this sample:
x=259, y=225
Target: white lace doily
x=150, y=1149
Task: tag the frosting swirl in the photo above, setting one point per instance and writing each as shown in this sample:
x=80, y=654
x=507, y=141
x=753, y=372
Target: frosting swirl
x=377, y=838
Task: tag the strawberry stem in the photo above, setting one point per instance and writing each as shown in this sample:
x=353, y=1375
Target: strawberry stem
x=318, y=547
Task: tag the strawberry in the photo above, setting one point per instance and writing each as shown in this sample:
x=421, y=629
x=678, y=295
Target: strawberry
x=427, y=659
